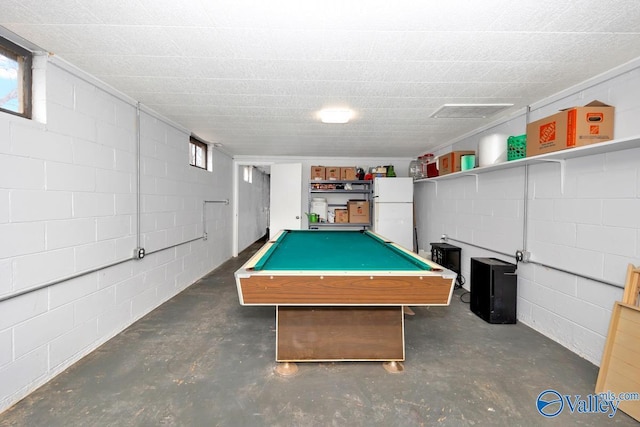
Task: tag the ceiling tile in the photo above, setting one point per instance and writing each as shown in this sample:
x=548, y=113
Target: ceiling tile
x=252, y=74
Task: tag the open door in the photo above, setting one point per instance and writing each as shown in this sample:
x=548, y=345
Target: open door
x=286, y=198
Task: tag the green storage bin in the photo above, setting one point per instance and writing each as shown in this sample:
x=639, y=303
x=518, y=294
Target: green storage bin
x=516, y=147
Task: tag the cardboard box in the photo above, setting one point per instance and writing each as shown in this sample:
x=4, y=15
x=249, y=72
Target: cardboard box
x=341, y=216
x=317, y=173
x=348, y=174
x=332, y=173
x=450, y=162
x=573, y=127
x=358, y=211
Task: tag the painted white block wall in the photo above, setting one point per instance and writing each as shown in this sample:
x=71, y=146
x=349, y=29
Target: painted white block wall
x=68, y=205
x=253, y=205
x=591, y=228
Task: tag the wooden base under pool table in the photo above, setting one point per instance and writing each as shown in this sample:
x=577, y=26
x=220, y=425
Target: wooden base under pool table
x=306, y=334
x=339, y=294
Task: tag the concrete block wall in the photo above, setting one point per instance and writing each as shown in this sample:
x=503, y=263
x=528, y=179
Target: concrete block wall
x=590, y=227
x=253, y=206
x=68, y=204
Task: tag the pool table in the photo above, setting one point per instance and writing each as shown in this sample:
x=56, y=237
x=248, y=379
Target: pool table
x=339, y=295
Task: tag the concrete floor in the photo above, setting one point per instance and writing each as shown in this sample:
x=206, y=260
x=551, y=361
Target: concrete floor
x=201, y=359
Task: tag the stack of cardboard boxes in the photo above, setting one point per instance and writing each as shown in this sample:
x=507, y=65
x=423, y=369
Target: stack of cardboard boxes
x=333, y=173
x=357, y=211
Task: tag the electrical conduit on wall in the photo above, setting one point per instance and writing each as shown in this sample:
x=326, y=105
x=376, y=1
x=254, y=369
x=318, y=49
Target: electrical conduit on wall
x=524, y=252
x=136, y=251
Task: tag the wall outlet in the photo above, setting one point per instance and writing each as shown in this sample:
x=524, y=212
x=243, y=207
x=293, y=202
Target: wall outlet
x=138, y=253
x=523, y=256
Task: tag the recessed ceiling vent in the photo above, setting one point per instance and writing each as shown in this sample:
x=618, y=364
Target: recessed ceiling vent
x=468, y=111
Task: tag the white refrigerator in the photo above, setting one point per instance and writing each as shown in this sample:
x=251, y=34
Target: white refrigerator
x=393, y=210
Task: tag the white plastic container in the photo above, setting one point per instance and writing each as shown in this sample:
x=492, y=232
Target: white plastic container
x=319, y=206
x=492, y=149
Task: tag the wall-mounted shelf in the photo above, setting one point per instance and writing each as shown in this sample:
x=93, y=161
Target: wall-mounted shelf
x=559, y=157
x=556, y=156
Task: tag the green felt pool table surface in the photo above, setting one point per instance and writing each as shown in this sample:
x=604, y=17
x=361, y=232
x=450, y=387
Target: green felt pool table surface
x=329, y=267
x=300, y=250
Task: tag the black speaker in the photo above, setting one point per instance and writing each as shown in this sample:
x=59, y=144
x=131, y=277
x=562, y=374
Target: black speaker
x=494, y=290
x=446, y=255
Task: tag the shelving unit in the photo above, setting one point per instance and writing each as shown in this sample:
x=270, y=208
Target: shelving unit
x=360, y=188
x=556, y=157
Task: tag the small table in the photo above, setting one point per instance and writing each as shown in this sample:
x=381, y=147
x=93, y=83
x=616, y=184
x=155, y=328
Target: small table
x=339, y=295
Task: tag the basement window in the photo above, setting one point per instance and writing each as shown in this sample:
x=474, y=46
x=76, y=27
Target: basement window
x=198, y=153
x=15, y=79
x=248, y=174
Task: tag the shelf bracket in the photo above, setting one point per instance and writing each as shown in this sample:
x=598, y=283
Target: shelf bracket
x=473, y=174
x=434, y=182
x=562, y=167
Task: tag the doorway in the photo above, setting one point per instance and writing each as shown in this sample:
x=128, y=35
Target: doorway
x=252, y=184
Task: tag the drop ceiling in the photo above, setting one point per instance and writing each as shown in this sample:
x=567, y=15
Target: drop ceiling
x=252, y=75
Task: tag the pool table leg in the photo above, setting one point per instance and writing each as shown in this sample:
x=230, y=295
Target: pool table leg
x=393, y=367
x=286, y=369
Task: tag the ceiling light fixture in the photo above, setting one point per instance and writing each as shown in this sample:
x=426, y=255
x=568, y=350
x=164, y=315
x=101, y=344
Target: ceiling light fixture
x=336, y=115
